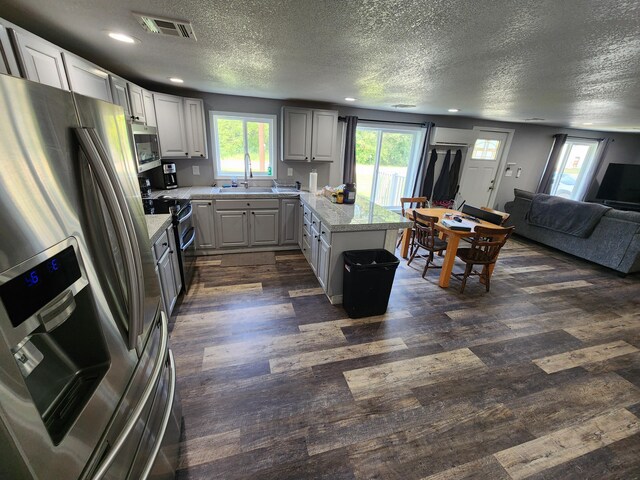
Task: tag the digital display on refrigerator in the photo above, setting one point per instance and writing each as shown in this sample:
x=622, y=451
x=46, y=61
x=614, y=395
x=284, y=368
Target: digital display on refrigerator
x=27, y=293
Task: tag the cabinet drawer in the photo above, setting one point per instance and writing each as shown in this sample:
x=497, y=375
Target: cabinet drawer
x=161, y=245
x=247, y=203
x=307, y=213
x=306, y=226
x=325, y=234
x=315, y=221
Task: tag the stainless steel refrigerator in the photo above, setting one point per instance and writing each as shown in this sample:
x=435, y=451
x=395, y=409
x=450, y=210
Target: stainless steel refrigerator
x=87, y=379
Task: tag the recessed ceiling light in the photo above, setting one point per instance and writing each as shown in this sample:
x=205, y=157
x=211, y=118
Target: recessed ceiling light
x=121, y=37
x=588, y=123
x=403, y=105
x=453, y=110
x=534, y=119
x=176, y=80
x=350, y=99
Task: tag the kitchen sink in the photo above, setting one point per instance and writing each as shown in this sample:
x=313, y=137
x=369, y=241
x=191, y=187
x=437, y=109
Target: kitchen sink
x=250, y=190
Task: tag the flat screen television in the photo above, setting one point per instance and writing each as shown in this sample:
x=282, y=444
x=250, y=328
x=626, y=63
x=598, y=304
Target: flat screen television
x=621, y=183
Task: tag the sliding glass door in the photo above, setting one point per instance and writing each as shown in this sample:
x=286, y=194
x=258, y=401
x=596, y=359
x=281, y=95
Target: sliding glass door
x=386, y=162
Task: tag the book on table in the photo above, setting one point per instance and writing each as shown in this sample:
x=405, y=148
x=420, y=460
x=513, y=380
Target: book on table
x=462, y=225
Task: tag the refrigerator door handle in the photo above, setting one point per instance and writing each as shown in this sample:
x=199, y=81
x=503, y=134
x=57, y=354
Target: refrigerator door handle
x=165, y=419
x=115, y=200
x=149, y=390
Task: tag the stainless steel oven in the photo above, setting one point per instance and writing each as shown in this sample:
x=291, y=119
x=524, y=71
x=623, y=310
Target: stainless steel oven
x=186, y=236
x=146, y=146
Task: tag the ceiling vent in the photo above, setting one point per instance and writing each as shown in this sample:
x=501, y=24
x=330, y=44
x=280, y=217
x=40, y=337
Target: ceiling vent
x=165, y=26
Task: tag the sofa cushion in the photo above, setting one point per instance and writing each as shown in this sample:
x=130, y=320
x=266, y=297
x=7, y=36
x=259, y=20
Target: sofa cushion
x=564, y=215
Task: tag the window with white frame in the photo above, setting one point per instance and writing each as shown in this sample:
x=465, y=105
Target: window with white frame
x=386, y=162
x=485, y=149
x=244, y=143
x=574, y=170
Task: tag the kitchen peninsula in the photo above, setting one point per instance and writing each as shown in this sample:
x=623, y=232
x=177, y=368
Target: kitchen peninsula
x=242, y=220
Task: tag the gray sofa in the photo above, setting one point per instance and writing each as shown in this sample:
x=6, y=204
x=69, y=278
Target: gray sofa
x=614, y=242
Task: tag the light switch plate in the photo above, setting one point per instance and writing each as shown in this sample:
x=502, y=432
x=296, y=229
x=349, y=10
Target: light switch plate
x=290, y=172
x=196, y=169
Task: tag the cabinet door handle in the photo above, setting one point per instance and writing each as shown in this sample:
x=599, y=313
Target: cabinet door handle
x=164, y=244
x=253, y=213
x=202, y=155
x=313, y=158
x=244, y=213
x=186, y=153
x=248, y=204
x=306, y=158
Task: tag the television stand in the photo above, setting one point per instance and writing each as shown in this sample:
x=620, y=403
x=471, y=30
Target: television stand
x=627, y=206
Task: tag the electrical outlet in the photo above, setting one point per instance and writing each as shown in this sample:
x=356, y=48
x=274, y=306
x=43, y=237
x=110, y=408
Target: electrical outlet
x=196, y=169
x=518, y=173
x=290, y=172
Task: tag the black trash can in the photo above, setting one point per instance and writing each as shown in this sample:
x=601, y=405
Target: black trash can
x=366, y=281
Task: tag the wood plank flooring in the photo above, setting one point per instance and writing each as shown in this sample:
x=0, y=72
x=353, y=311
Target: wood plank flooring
x=539, y=378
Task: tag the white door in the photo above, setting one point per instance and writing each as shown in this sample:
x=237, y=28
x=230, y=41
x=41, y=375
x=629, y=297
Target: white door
x=323, y=138
x=171, y=125
x=149, y=109
x=297, y=133
x=136, y=98
x=41, y=61
x=203, y=214
x=478, y=179
x=86, y=78
x=194, y=122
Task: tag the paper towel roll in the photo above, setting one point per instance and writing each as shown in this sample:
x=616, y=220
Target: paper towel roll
x=313, y=182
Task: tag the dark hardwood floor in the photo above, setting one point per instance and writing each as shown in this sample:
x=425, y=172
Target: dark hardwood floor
x=539, y=378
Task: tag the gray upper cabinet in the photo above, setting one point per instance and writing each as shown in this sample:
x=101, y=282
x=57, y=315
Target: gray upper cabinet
x=136, y=98
x=232, y=228
x=203, y=214
x=120, y=94
x=8, y=62
x=264, y=227
x=39, y=60
x=171, y=125
x=290, y=213
x=323, y=136
x=194, y=126
x=149, y=109
x=86, y=78
x=296, y=133
x=308, y=135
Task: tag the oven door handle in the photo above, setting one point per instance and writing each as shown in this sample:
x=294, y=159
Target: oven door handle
x=186, y=245
x=187, y=216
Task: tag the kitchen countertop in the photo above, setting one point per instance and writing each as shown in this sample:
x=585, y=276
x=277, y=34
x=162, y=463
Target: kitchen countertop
x=156, y=224
x=208, y=193
x=362, y=216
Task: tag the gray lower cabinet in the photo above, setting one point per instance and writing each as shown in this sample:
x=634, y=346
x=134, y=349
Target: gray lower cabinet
x=324, y=254
x=290, y=231
x=232, y=228
x=263, y=227
x=165, y=253
x=300, y=220
x=203, y=215
x=315, y=249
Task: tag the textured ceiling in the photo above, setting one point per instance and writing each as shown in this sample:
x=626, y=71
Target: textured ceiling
x=566, y=61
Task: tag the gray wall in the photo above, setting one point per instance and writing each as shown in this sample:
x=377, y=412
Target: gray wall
x=529, y=148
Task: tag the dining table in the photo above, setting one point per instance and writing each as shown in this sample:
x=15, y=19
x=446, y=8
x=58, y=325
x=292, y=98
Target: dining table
x=452, y=236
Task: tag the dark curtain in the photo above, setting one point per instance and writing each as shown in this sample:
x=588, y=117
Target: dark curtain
x=424, y=184
x=601, y=153
x=441, y=190
x=454, y=173
x=552, y=162
x=349, y=171
x=427, y=188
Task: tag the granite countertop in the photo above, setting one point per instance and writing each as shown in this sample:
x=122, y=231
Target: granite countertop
x=361, y=216
x=208, y=193
x=156, y=224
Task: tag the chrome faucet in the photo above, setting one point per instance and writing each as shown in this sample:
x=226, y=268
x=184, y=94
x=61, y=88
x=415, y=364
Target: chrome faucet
x=247, y=163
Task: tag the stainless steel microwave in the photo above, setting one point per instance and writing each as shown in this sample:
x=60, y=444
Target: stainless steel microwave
x=146, y=146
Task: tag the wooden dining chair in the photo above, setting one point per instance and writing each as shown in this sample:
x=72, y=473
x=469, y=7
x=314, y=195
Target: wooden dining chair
x=485, y=247
x=410, y=202
x=425, y=236
x=505, y=216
